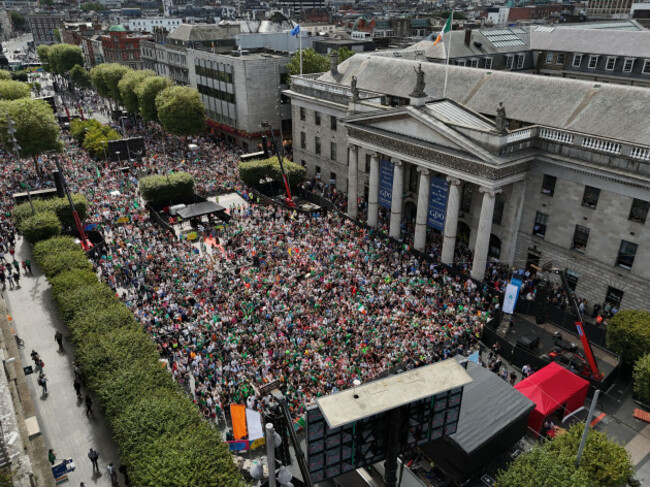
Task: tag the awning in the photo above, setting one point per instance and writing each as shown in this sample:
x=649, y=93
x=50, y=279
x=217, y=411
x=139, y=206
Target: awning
x=200, y=209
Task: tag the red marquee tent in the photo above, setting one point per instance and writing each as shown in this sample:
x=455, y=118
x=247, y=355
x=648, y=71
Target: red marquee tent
x=551, y=388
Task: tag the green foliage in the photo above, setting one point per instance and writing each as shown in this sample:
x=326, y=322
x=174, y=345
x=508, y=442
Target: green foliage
x=41, y=226
x=54, y=246
x=312, y=62
x=177, y=187
x=604, y=463
x=78, y=129
x=18, y=20
x=43, y=52
x=20, y=76
x=36, y=128
x=628, y=334
x=444, y=15
x=63, y=57
x=181, y=111
x=158, y=429
x=90, y=6
x=642, y=379
x=12, y=90
x=345, y=53
x=252, y=172
x=80, y=77
x=146, y=92
x=127, y=86
x=106, y=78
x=4, y=75
x=96, y=139
x=59, y=206
x=55, y=264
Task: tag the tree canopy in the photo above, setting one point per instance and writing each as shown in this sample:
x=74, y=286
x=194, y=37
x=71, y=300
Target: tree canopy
x=603, y=464
x=87, y=7
x=96, y=139
x=106, y=78
x=18, y=20
x=181, y=110
x=127, y=86
x=36, y=127
x=12, y=90
x=147, y=91
x=642, y=379
x=63, y=57
x=312, y=62
x=628, y=334
x=80, y=77
x=4, y=75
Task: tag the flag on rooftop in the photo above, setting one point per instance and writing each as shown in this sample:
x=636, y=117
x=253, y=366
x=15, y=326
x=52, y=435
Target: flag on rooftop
x=446, y=28
x=296, y=30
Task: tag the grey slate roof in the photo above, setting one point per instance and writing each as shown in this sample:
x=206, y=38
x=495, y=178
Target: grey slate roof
x=606, y=110
x=605, y=42
x=199, y=32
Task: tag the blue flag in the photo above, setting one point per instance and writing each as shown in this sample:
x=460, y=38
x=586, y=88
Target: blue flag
x=296, y=30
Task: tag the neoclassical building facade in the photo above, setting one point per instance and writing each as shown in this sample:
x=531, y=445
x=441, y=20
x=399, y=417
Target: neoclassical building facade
x=560, y=173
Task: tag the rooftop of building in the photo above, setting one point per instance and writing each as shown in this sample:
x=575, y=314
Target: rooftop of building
x=117, y=28
x=606, y=110
x=200, y=32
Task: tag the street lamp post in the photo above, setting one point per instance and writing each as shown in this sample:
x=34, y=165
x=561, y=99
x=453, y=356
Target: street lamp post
x=11, y=131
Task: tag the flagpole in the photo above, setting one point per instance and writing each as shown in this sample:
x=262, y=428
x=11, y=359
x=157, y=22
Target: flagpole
x=451, y=28
x=300, y=49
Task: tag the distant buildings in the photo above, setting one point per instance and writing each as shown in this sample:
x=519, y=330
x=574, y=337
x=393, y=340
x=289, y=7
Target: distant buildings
x=43, y=27
x=120, y=46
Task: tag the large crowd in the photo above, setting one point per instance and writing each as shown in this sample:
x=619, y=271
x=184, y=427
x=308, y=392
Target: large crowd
x=323, y=302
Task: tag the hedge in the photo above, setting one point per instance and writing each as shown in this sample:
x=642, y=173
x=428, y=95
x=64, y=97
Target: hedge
x=60, y=206
x=642, y=379
x=159, y=430
x=41, y=226
x=176, y=187
x=54, y=264
x=628, y=334
x=251, y=173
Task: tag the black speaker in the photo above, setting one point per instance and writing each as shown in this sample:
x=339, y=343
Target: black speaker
x=265, y=146
x=539, y=307
x=58, y=182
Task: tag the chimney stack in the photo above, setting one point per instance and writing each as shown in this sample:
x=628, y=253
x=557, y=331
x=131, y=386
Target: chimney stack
x=468, y=36
x=334, y=62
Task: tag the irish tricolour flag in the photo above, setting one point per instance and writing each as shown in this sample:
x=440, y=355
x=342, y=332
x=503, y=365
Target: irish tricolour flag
x=445, y=28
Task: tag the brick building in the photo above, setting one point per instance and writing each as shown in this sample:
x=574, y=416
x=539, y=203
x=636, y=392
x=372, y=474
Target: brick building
x=120, y=46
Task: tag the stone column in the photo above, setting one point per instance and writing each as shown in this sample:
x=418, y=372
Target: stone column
x=512, y=219
x=451, y=222
x=483, y=233
x=396, y=201
x=420, y=239
x=373, y=190
x=353, y=185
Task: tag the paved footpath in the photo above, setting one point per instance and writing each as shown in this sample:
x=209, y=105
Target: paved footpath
x=62, y=417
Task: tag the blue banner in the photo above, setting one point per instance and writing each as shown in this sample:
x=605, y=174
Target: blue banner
x=385, y=183
x=438, y=203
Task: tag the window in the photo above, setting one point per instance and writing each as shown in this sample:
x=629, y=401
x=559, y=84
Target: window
x=317, y=118
x=572, y=279
x=317, y=145
x=473, y=63
x=303, y=140
x=577, y=60
x=590, y=197
x=499, y=205
x=646, y=66
x=614, y=296
x=639, y=211
x=539, y=228
x=548, y=185
x=460, y=63
x=367, y=168
x=560, y=58
x=580, y=238
x=302, y=114
x=593, y=62
x=520, y=60
x=318, y=172
x=611, y=62
x=333, y=151
x=628, y=65
x=509, y=61
x=333, y=178
x=488, y=63
x=466, y=199
x=549, y=57
x=626, y=254
x=333, y=123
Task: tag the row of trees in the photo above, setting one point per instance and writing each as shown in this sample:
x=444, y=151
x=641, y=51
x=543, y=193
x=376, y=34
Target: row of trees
x=59, y=59
x=179, y=109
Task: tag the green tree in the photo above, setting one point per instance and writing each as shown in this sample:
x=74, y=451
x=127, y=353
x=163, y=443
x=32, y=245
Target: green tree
x=603, y=464
x=628, y=334
x=18, y=20
x=80, y=77
x=312, y=62
x=345, y=53
x=147, y=91
x=96, y=140
x=642, y=379
x=57, y=34
x=79, y=129
x=127, y=86
x=181, y=111
x=37, y=130
x=106, y=78
x=20, y=76
x=87, y=7
x=4, y=75
x=12, y=90
x=63, y=57
x=43, y=52
x=41, y=226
